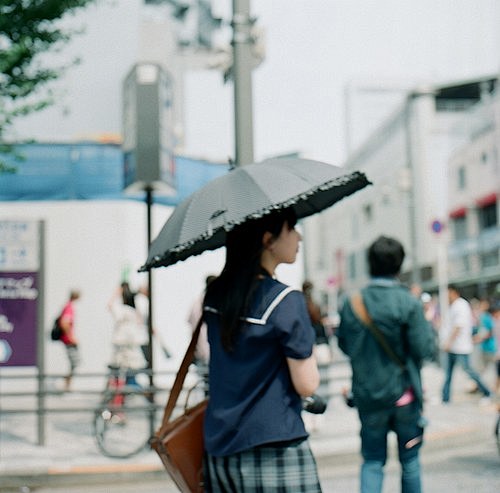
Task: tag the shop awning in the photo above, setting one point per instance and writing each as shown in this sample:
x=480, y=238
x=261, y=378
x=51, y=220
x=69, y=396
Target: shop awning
x=489, y=199
x=458, y=212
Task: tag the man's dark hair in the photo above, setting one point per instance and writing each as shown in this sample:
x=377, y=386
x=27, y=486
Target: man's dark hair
x=385, y=257
x=454, y=287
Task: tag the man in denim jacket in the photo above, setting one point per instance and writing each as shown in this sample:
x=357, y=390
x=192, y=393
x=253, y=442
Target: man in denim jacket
x=387, y=396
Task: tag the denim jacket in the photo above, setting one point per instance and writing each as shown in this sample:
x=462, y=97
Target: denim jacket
x=377, y=380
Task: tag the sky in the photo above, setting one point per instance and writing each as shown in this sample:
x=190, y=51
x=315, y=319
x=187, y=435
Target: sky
x=327, y=62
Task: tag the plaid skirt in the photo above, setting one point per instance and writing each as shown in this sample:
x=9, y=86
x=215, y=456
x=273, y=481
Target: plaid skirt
x=263, y=470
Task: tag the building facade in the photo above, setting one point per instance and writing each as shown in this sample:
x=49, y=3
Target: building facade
x=474, y=191
x=415, y=160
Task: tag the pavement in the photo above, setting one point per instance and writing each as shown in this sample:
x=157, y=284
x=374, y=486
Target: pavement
x=70, y=455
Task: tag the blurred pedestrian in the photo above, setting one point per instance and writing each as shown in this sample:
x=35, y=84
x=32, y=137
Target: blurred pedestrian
x=202, y=351
x=431, y=314
x=322, y=350
x=456, y=341
x=141, y=299
x=495, y=311
x=141, y=302
x=68, y=337
x=315, y=314
x=261, y=364
x=386, y=336
x=416, y=290
x=128, y=334
x=485, y=337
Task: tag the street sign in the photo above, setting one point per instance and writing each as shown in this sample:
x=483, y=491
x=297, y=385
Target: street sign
x=20, y=285
x=437, y=226
x=148, y=139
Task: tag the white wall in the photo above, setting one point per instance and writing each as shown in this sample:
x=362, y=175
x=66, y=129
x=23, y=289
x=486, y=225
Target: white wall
x=88, y=243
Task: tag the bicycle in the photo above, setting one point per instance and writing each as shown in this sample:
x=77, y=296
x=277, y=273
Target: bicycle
x=121, y=420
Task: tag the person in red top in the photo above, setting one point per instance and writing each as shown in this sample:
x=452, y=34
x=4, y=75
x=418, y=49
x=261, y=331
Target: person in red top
x=68, y=338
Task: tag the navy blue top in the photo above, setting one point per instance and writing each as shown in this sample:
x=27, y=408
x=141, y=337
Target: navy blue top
x=252, y=399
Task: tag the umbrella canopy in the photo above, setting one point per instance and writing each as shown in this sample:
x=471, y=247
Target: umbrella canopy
x=201, y=221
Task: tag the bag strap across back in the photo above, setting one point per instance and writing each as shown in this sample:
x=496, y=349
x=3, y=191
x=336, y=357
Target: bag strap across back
x=359, y=309
x=179, y=378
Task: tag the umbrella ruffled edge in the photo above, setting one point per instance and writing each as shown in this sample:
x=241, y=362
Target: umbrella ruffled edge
x=158, y=260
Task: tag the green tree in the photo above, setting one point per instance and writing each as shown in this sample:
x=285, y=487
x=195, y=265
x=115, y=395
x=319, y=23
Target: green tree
x=28, y=30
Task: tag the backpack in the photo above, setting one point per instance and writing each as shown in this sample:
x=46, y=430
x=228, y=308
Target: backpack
x=56, y=332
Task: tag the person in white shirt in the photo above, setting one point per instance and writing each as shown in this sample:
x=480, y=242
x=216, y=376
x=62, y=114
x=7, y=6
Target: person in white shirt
x=456, y=341
x=128, y=333
x=202, y=352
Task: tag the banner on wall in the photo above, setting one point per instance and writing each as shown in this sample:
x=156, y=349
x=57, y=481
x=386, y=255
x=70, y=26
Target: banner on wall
x=19, y=291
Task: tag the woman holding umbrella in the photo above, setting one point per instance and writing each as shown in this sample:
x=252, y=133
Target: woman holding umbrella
x=261, y=365
x=259, y=331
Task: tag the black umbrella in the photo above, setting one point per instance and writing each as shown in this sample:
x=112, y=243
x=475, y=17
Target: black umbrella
x=201, y=221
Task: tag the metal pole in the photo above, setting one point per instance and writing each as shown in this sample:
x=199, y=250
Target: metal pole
x=443, y=279
x=40, y=334
x=415, y=271
x=149, y=202
x=242, y=70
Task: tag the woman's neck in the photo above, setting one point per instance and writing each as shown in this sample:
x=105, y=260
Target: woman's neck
x=264, y=272
x=268, y=265
x=268, y=262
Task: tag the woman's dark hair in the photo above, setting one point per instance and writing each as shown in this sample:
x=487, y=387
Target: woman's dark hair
x=385, y=257
x=234, y=287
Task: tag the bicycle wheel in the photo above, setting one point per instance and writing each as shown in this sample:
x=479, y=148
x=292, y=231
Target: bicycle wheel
x=122, y=431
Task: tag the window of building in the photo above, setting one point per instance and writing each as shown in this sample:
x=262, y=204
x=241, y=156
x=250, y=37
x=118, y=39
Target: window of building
x=461, y=178
x=459, y=225
x=405, y=277
x=426, y=273
x=488, y=216
x=489, y=259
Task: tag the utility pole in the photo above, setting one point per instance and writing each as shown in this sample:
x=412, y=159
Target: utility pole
x=242, y=74
x=415, y=268
x=243, y=61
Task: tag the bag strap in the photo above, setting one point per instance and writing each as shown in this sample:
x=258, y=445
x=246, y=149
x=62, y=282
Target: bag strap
x=179, y=378
x=359, y=309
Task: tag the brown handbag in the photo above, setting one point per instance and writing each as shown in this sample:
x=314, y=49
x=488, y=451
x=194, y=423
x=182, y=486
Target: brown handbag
x=179, y=443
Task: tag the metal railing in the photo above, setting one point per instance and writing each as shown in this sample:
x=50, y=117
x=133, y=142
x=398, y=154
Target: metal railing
x=42, y=403
x=43, y=399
